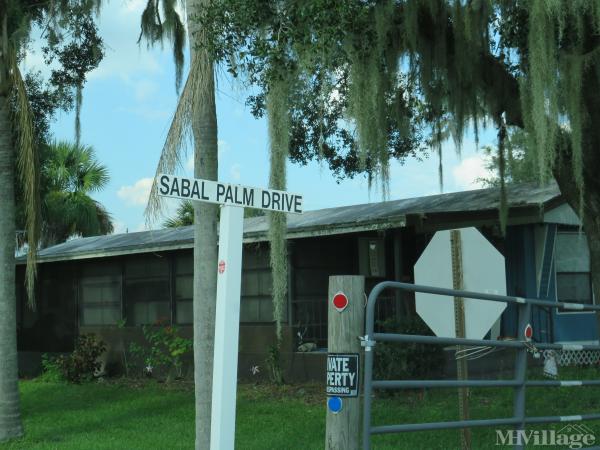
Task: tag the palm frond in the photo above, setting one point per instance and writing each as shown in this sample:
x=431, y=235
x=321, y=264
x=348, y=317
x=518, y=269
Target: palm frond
x=184, y=216
x=28, y=169
x=180, y=134
x=105, y=219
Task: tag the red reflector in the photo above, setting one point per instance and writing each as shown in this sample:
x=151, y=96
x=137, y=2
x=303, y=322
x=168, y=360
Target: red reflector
x=340, y=301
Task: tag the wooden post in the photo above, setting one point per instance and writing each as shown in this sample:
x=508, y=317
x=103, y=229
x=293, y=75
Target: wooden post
x=402, y=309
x=344, y=328
x=462, y=369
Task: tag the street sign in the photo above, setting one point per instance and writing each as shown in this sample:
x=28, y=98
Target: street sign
x=483, y=270
x=342, y=374
x=233, y=199
x=228, y=194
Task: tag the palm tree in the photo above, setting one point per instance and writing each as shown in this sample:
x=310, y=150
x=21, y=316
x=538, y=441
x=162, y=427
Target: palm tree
x=195, y=116
x=184, y=216
x=16, y=155
x=19, y=161
x=70, y=173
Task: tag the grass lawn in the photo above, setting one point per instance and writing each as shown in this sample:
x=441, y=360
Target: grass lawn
x=126, y=415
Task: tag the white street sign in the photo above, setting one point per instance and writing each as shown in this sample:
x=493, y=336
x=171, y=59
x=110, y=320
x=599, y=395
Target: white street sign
x=483, y=271
x=228, y=194
x=234, y=199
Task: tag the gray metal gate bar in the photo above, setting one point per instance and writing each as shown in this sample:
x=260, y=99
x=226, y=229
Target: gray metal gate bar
x=572, y=383
x=519, y=383
x=480, y=296
x=389, y=337
x=412, y=384
x=429, y=426
x=554, y=419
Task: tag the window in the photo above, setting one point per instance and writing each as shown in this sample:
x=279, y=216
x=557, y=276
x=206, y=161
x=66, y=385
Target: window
x=147, y=290
x=257, y=286
x=573, y=278
x=184, y=289
x=371, y=257
x=100, y=294
x=313, y=261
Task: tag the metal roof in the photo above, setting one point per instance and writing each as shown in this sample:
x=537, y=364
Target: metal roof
x=330, y=221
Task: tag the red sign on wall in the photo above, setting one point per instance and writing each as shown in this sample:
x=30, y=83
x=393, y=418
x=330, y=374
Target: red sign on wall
x=221, y=266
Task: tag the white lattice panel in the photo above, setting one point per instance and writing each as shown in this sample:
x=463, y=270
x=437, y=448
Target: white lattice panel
x=578, y=357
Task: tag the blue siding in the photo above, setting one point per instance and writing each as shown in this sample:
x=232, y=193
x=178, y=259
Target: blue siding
x=548, y=325
x=542, y=318
x=519, y=254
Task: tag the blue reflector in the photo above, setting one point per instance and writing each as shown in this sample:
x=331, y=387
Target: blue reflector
x=334, y=404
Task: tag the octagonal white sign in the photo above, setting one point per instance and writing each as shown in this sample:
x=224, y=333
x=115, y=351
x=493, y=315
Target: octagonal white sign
x=483, y=271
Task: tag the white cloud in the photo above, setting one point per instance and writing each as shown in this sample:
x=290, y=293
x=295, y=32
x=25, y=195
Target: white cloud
x=235, y=172
x=137, y=194
x=470, y=171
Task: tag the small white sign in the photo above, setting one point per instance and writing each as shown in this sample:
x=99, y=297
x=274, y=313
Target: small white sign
x=228, y=194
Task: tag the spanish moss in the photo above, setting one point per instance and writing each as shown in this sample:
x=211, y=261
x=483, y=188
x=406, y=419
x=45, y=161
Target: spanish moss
x=78, y=102
x=279, y=141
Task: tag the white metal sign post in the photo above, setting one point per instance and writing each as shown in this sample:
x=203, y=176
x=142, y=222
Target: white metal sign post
x=234, y=199
x=227, y=319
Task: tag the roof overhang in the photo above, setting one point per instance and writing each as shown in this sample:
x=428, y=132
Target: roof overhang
x=249, y=237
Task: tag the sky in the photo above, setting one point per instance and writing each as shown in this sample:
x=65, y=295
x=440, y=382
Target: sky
x=128, y=104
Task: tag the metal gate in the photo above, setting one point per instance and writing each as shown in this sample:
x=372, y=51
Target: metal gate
x=519, y=419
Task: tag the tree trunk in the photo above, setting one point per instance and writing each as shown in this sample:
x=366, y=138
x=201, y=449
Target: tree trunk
x=10, y=416
x=204, y=127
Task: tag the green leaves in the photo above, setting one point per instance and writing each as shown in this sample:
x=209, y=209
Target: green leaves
x=164, y=348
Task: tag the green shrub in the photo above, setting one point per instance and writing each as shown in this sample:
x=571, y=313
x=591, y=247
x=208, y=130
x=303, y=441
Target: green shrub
x=51, y=370
x=407, y=360
x=82, y=365
x=165, y=349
